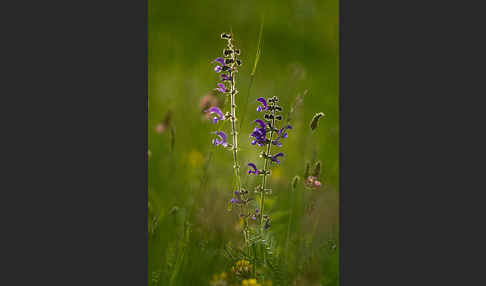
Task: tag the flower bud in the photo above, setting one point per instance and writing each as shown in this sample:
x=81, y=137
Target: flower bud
x=315, y=120
x=295, y=181
x=317, y=169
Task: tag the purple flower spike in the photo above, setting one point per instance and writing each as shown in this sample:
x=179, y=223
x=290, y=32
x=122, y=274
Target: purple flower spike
x=257, y=211
x=221, y=141
x=217, y=111
x=253, y=217
x=255, y=170
x=275, y=159
x=219, y=60
x=263, y=102
x=221, y=87
x=217, y=68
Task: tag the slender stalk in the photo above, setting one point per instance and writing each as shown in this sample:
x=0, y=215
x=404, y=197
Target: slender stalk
x=264, y=182
x=234, y=133
x=265, y=172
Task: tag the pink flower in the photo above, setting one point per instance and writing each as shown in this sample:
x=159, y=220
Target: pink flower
x=312, y=183
x=159, y=128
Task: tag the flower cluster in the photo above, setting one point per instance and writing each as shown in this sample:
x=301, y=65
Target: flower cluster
x=242, y=268
x=259, y=133
x=266, y=127
x=312, y=183
x=226, y=66
x=263, y=136
x=282, y=133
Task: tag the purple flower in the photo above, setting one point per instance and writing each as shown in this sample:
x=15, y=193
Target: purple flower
x=255, y=170
x=259, y=133
x=281, y=134
x=221, y=87
x=217, y=111
x=261, y=123
x=263, y=102
x=219, y=60
x=275, y=159
x=225, y=77
x=221, y=141
x=238, y=199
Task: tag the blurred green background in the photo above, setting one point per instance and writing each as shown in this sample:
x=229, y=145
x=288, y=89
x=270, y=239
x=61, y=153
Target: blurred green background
x=190, y=180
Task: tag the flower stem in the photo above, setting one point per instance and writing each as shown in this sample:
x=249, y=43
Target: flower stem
x=264, y=182
x=265, y=173
x=234, y=133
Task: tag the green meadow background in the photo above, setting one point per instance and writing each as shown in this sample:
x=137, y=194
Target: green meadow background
x=190, y=180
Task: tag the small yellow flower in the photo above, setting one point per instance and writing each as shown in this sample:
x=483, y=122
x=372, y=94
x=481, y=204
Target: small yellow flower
x=242, y=267
x=219, y=280
x=250, y=282
x=195, y=158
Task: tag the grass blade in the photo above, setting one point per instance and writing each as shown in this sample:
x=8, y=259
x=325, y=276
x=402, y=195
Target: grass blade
x=252, y=74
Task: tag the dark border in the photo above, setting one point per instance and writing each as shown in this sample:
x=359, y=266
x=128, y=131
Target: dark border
x=77, y=161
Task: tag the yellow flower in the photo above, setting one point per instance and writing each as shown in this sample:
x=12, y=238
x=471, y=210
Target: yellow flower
x=250, y=282
x=195, y=158
x=242, y=267
x=219, y=280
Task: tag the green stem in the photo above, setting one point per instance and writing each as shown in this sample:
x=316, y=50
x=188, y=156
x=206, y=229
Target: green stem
x=234, y=133
x=264, y=183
